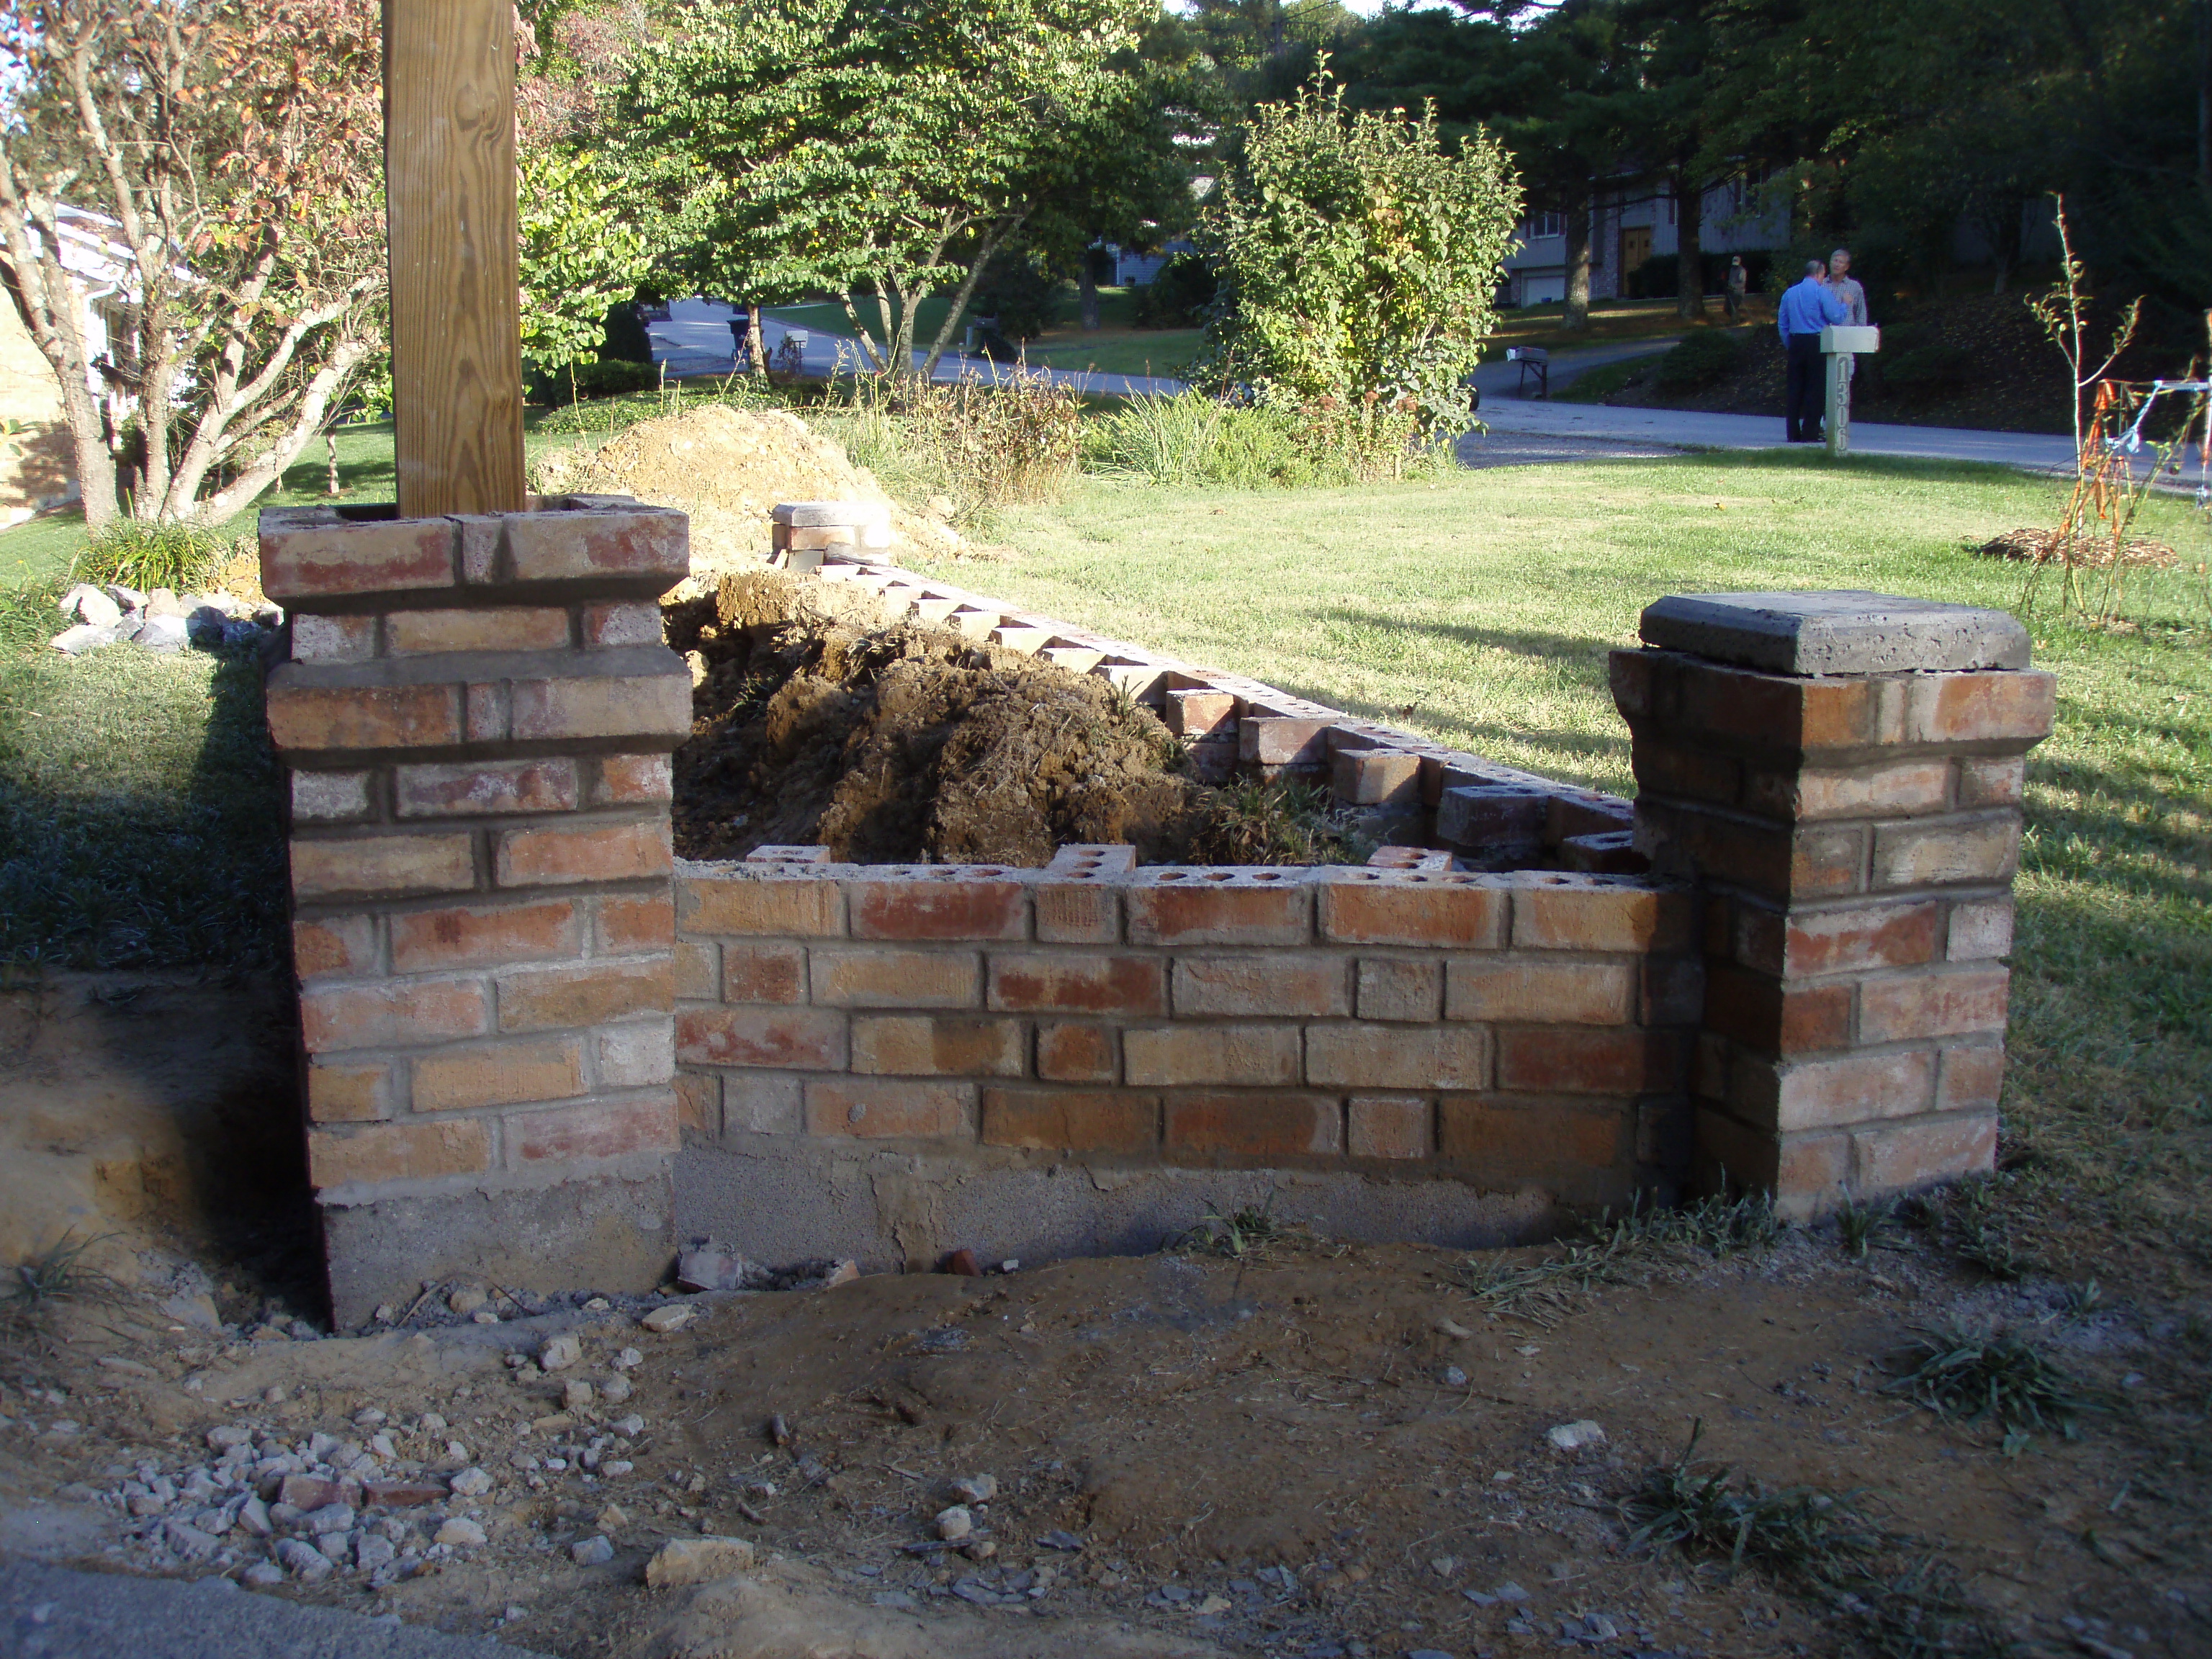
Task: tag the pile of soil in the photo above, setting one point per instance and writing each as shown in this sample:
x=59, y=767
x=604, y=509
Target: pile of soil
x=727, y=468
x=2033, y=544
x=900, y=745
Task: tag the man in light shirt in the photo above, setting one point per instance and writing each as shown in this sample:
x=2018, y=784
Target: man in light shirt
x=1847, y=289
x=1805, y=310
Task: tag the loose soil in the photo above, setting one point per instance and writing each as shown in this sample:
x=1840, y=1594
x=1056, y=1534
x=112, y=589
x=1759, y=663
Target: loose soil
x=890, y=742
x=728, y=468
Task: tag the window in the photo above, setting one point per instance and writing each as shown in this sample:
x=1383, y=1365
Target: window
x=1543, y=224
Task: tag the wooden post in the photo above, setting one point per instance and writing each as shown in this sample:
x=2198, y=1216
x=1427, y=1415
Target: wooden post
x=450, y=225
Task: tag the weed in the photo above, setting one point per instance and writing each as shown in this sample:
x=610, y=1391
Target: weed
x=150, y=553
x=1631, y=1248
x=1970, y=1373
x=1702, y=1508
x=1862, y=1229
x=58, y=1273
x=2079, y=1300
x=1965, y=1219
x=1283, y=822
x=1192, y=441
x=1248, y=1231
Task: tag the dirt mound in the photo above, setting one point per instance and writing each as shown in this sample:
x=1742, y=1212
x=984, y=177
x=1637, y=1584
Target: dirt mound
x=2035, y=545
x=727, y=468
x=904, y=744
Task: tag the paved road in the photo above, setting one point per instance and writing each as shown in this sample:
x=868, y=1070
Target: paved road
x=52, y=1613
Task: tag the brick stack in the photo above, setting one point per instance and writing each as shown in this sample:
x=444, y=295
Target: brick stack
x=1842, y=773
x=477, y=712
x=1516, y=1031
x=801, y=534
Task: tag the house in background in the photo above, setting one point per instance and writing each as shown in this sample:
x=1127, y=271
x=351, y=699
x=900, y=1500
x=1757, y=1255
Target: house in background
x=38, y=462
x=1629, y=226
x=1133, y=269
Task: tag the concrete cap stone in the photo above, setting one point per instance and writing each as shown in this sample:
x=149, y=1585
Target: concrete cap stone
x=824, y=515
x=1835, y=633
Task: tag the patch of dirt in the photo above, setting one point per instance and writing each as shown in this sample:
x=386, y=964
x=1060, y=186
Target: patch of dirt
x=896, y=744
x=728, y=468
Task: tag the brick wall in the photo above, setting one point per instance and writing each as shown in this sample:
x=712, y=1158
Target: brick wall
x=477, y=714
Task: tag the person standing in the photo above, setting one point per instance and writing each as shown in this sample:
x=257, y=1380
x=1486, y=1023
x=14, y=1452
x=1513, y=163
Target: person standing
x=1805, y=310
x=1849, y=290
x=1739, y=280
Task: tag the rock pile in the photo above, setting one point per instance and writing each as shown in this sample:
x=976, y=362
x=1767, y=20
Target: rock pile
x=160, y=622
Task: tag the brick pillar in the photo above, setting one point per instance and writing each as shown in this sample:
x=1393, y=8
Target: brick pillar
x=1840, y=773
x=477, y=714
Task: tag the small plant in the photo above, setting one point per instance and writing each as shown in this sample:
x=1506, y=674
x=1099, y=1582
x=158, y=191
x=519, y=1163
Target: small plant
x=1969, y=1373
x=1249, y=1230
x=1630, y=1248
x=57, y=1274
x=1703, y=1509
x=1862, y=1229
x=2080, y=1301
x=145, y=553
x=1191, y=441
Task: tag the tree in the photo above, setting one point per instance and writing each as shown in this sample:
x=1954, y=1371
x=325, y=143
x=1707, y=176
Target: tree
x=1360, y=258
x=228, y=155
x=889, y=149
x=580, y=256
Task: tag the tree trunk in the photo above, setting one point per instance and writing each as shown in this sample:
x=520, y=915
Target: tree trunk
x=993, y=240
x=1689, y=239
x=759, y=354
x=1576, y=316
x=1086, y=292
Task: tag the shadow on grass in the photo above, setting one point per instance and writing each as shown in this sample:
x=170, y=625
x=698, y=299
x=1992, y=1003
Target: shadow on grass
x=1582, y=655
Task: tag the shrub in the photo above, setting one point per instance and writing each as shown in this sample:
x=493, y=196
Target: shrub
x=1927, y=373
x=1192, y=441
x=603, y=379
x=150, y=553
x=625, y=339
x=1019, y=293
x=1703, y=359
x=1179, y=296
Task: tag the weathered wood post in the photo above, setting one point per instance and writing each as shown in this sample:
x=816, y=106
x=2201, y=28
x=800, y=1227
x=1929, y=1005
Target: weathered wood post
x=477, y=709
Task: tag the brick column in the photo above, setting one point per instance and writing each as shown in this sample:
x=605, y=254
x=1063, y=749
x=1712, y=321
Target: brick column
x=477, y=714
x=1840, y=773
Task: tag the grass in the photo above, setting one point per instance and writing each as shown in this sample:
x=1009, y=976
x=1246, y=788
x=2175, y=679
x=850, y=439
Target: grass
x=1977, y=1373
x=1628, y=1249
x=57, y=1274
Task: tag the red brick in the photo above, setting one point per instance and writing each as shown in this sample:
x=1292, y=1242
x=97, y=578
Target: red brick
x=1211, y=1054
x=1077, y=983
x=1390, y=1125
x=1202, y=907
x=385, y=866
x=349, y=1094
x=644, y=923
x=1762, y=1013
x=1397, y=1057
x=1068, y=1052
x=332, y=797
x=1819, y=1094
x=624, y=778
x=699, y=971
x=1784, y=861
x=1393, y=989
x=1377, y=777
x=1195, y=713
x=761, y=1103
x=806, y=1038
x=507, y=628
x=569, y=545
x=488, y=710
x=503, y=1074
x=1254, y=1124
x=476, y=937
x=1534, y=1137
x=397, y=1151
x=321, y=561
x=605, y=1128
x=1589, y=1061
x=631, y=622
x=1490, y=815
x=1892, y=790
x=1359, y=907
x=950, y=907
x=588, y=994
x=699, y=1103
x=1598, y=914
x=882, y=976
x=1700, y=774
x=1945, y=850
x=1933, y=1005
x=1521, y=987
x=1980, y=929
x=1972, y=1078
x=1992, y=780
x=486, y=787
x=333, y=639
x=880, y=1108
x=1630, y=675
x=1897, y=1157
x=761, y=902
x=1807, y=1174
x=763, y=973
x=1284, y=985
x=1774, y=711
x=1799, y=944
x=938, y=1045
x=1076, y=913
x=395, y=1014
x=1666, y=1135
x=1987, y=706
x=1673, y=991
x=332, y=946
x=636, y=1054
x=307, y=718
x=1282, y=740
x=583, y=853
x=1071, y=1120
x=603, y=706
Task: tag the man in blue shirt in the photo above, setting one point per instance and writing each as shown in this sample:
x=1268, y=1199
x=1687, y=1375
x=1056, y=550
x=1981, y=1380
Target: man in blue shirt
x=1805, y=310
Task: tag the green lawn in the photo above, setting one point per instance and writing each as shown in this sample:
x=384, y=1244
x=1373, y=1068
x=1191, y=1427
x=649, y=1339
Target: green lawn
x=1478, y=610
